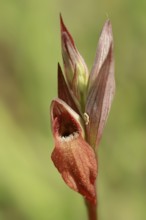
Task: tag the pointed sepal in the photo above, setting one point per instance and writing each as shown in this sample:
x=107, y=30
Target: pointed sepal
x=64, y=93
x=104, y=44
x=101, y=88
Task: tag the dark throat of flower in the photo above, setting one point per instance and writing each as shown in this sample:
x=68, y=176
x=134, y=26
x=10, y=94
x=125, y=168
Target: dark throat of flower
x=67, y=127
x=64, y=124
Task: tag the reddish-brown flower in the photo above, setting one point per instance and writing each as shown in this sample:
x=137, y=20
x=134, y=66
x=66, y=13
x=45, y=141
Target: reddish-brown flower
x=73, y=156
x=80, y=112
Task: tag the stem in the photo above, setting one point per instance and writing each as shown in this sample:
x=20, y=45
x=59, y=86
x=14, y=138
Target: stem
x=91, y=208
x=92, y=211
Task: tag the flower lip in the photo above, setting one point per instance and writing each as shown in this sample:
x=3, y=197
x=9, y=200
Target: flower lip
x=65, y=122
x=73, y=156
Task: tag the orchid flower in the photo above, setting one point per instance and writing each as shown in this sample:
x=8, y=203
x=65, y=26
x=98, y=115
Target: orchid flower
x=79, y=114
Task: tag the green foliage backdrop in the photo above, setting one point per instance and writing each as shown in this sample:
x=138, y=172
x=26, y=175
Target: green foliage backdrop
x=30, y=187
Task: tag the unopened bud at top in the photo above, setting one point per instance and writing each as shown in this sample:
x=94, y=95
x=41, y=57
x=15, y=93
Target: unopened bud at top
x=76, y=71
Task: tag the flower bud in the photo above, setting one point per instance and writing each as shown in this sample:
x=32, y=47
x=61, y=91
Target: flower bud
x=76, y=71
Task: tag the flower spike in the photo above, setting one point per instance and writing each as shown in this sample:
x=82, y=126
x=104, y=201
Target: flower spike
x=79, y=114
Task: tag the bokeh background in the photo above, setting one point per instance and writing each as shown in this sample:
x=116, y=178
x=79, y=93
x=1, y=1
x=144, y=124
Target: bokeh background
x=30, y=186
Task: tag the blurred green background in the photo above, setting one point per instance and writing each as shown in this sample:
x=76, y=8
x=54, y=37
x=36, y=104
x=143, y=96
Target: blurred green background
x=30, y=186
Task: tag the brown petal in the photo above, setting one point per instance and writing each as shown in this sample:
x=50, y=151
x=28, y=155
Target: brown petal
x=99, y=100
x=72, y=156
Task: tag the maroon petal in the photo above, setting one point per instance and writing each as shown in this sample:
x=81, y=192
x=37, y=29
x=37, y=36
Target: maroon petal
x=72, y=156
x=64, y=93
